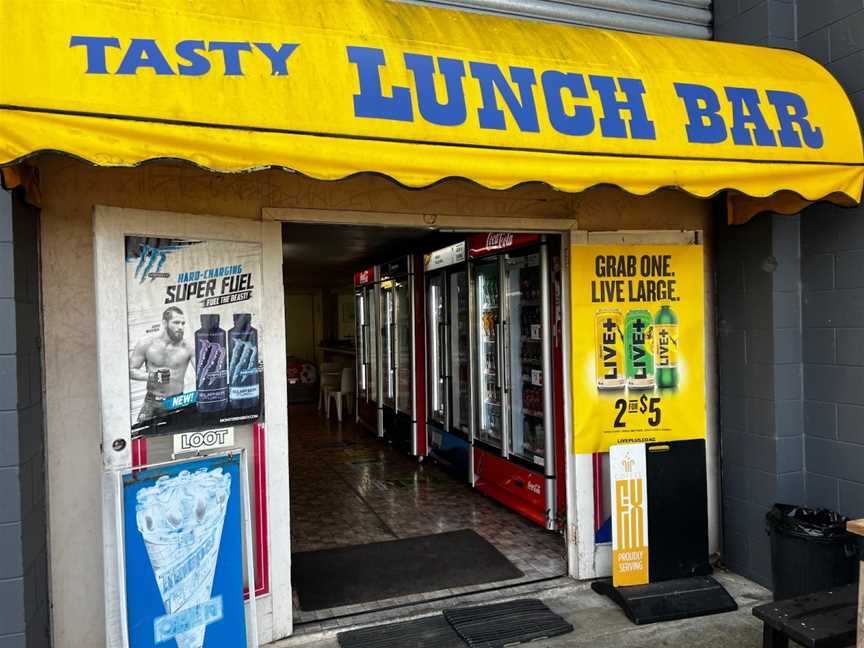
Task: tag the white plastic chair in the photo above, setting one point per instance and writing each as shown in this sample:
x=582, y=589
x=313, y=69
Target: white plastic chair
x=328, y=379
x=346, y=389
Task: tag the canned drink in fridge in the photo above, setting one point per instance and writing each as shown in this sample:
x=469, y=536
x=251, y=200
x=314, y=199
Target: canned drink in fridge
x=638, y=349
x=608, y=350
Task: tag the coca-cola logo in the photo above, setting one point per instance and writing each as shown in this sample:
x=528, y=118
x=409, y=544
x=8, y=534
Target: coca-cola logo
x=534, y=487
x=364, y=276
x=499, y=239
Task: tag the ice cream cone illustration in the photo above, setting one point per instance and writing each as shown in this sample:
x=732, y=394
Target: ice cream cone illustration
x=181, y=520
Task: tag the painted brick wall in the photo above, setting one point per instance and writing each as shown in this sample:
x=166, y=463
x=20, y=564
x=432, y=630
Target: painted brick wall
x=23, y=548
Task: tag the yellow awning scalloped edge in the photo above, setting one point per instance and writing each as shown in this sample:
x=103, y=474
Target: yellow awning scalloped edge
x=422, y=94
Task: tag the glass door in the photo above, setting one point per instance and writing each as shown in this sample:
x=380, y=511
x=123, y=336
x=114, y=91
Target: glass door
x=388, y=334
x=460, y=352
x=371, y=342
x=360, y=307
x=436, y=341
x=404, y=342
x=489, y=359
x=528, y=418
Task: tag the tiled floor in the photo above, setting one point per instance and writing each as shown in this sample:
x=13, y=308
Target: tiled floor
x=348, y=488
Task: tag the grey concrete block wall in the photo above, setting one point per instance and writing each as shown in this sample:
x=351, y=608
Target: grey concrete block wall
x=24, y=607
x=832, y=250
x=816, y=330
x=756, y=22
x=833, y=346
x=761, y=404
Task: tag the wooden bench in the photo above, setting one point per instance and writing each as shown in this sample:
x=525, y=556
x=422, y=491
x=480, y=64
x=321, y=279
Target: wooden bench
x=823, y=620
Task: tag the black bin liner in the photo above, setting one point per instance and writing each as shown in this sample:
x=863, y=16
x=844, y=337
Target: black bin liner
x=811, y=550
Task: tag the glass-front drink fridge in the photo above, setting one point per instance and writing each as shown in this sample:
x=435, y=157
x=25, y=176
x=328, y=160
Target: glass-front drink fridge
x=448, y=359
x=368, y=362
x=519, y=419
x=401, y=338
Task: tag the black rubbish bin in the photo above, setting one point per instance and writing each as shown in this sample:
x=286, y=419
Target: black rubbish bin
x=811, y=550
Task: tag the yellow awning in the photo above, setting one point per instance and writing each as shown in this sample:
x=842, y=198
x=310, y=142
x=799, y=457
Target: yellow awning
x=339, y=87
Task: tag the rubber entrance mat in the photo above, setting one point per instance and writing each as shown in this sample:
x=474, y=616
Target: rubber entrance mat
x=371, y=572
x=681, y=598
x=503, y=624
x=421, y=633
x=485, y=626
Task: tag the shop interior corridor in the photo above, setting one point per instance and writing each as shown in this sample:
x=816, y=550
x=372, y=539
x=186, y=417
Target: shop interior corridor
x=350, y=488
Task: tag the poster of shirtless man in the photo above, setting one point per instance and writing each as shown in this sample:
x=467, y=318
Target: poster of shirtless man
x=193, y=311
x=161, y=360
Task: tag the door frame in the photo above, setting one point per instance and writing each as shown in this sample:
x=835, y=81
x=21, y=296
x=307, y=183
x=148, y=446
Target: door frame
x=580, y=510
x=110, y=226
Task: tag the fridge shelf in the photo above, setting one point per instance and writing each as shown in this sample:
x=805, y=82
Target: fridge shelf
x=532, y=413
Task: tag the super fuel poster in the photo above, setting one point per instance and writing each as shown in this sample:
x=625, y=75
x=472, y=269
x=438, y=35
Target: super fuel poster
x=638, y=338
x=194, y=321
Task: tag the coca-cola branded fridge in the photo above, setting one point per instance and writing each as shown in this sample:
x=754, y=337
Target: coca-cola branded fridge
x=448, y=359
x=403, y=354
x=368, y=362
x=518, y=436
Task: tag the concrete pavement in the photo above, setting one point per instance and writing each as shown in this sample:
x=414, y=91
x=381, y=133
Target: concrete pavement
x=597, y=621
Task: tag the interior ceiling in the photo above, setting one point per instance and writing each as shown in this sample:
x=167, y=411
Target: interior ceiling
x=327, y=256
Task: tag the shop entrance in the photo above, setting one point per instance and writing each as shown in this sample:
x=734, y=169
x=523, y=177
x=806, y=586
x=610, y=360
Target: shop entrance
x=435, y=483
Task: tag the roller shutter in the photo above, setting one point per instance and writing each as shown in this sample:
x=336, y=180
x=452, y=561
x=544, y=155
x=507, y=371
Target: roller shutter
x=688, y=18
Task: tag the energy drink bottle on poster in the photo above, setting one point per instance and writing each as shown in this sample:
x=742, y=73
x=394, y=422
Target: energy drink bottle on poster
x=244, y=382
x=609, y=350
x=638, y=349
x=211, y=370
x=666, y=347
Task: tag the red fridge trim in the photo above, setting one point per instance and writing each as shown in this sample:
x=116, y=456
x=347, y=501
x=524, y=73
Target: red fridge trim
x=597, y=466
x=519, y=489
x=558, y=395
x=259, y=481
x=364, y=277
x=490, y=242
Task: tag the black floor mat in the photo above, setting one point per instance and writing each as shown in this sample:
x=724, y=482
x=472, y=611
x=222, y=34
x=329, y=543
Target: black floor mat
x=371, y=572
x=502, y=624
x=681, y=598
x=432, y=632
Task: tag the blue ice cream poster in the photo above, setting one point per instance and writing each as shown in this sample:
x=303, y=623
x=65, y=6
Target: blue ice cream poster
x=184, y=555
